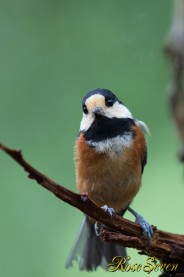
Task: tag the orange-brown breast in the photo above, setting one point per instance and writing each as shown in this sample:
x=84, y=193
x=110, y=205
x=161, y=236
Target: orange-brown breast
x=111, y=180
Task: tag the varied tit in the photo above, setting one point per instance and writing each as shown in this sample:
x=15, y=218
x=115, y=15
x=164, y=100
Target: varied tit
x=110, y=155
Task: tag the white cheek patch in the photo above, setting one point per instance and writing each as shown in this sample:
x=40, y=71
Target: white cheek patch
x=118, y=110
x=86, y=122
x=113, y=146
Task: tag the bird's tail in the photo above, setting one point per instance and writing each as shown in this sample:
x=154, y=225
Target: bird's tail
x=90, y=252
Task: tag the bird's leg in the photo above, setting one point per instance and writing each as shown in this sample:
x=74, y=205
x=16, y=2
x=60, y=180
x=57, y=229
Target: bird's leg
x=147, y=230
x=98, y=225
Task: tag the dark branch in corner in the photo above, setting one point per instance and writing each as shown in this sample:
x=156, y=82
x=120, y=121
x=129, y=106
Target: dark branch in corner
x=166, y=247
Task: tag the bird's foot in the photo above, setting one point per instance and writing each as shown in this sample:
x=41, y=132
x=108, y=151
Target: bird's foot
x=98, y=225
x=109, y=211
x=97, y=228
x=146, y=227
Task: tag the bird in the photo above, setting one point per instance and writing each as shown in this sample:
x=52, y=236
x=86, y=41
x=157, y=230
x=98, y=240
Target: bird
x=110, y=156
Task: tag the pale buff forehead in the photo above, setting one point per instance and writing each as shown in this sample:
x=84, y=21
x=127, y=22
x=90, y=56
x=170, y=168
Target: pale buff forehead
x=97, y=100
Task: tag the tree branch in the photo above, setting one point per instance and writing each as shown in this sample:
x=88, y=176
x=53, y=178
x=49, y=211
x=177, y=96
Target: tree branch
x=166, y=247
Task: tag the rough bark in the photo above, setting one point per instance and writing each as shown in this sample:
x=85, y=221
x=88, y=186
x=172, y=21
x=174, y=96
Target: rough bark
x=165, y=246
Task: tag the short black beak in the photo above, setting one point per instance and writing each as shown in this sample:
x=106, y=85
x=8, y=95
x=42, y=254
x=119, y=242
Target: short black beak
x=98, y=111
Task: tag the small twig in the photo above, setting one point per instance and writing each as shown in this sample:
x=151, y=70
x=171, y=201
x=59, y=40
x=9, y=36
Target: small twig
x=165, y=246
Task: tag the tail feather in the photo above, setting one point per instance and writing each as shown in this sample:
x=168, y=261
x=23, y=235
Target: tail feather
x=78, y=245
x=92, y=251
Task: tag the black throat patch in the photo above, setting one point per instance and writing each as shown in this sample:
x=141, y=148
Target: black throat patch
x=104, y=128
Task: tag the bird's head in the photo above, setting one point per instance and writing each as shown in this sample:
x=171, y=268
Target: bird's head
x=99, y=104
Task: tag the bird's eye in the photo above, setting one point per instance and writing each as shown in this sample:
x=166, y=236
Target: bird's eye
x=109, y=102
x=85, y=110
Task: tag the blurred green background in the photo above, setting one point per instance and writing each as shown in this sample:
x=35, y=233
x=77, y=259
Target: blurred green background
x=51, y=53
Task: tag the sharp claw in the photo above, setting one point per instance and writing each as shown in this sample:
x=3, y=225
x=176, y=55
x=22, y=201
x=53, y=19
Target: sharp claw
x=146, y=227
x=147, y=230
x=97, y=229
x=151, y=231
x=110, y=211
x=97, y=225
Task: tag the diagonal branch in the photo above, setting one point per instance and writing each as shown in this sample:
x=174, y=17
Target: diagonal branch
x=165, y=246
